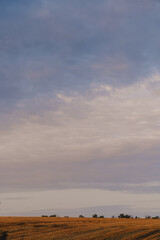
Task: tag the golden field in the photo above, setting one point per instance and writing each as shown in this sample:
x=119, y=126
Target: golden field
x=51, y=228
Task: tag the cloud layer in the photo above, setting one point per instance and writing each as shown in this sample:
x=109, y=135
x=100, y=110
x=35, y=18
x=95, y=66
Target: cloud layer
x=50, y=45
x=107, y=137
x=79, y=95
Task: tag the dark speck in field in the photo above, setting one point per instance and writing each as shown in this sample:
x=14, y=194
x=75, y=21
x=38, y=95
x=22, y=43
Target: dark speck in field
x=4, y=236
x=39, y=225
x=61, y=226
x=21, y=224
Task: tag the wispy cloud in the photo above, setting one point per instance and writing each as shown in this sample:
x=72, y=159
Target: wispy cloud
x=107, y=134
x=50, y=45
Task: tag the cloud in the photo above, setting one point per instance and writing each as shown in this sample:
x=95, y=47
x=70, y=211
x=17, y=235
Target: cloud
x=50, y=45
x=105, y=136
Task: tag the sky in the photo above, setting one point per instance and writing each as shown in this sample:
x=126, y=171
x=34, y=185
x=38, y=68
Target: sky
x=79, y=106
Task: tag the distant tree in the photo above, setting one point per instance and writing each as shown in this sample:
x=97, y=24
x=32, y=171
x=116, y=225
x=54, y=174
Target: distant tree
x=44, y=216
x=101, y=216
x=113, y=216
x=94, y=215
x=156, y=217
x=148, y=217
x=122, y=215
x=81, y=216
x=53, y=215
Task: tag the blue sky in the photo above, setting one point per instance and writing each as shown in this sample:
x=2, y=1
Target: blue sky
x=79, y=98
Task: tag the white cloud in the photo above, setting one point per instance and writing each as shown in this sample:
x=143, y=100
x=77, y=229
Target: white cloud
x=108, y=124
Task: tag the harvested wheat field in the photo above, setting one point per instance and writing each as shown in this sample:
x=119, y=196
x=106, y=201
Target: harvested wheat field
x=50, y=228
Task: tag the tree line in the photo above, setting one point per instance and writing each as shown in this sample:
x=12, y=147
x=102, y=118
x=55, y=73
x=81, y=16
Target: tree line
x=121, y=215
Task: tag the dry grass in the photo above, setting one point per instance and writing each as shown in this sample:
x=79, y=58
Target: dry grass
x=28, y=228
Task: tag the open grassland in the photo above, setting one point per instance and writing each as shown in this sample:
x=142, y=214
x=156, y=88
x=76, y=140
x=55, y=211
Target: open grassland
x=50, y=228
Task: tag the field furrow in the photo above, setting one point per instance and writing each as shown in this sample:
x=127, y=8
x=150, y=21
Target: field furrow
x=56, y=228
